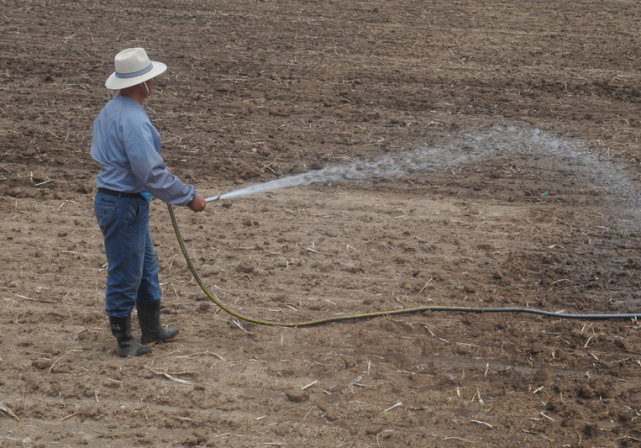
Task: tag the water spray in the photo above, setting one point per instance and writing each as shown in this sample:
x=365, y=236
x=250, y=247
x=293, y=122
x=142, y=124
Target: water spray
x=483, y=143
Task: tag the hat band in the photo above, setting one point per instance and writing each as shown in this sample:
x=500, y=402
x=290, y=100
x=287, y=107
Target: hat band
x=134, y=74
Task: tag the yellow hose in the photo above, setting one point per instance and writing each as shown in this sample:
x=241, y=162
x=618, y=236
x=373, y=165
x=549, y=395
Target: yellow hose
x=325, y=320
x=217, y=301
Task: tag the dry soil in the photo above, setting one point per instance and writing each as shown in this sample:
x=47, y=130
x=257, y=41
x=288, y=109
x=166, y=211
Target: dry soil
x=530, y=111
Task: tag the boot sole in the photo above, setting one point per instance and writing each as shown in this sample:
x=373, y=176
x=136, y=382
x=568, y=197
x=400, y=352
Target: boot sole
x=151, y=344
x=134, y=356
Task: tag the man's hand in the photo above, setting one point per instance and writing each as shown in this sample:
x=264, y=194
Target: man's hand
x=198, y=204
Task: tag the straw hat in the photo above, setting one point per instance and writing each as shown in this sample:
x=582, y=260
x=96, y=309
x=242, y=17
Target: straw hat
x=133, y=67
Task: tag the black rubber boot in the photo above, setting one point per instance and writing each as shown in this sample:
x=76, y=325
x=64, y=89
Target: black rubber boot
x=149, y=320
x=127, y=344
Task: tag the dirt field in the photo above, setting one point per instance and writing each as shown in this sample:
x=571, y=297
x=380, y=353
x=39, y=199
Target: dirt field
x=529, y=112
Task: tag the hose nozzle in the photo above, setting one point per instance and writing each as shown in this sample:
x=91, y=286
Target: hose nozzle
x=213, y=199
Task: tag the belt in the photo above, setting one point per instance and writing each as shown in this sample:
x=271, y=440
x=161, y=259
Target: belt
x=120, y=193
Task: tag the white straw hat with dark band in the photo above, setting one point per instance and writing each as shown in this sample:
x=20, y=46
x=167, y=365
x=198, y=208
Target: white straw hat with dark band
x=133, y=67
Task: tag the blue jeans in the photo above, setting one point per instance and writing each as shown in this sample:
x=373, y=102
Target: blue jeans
x=133, y=261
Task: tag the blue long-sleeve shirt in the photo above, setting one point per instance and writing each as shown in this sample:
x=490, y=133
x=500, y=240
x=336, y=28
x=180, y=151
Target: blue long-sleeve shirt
x=127, y=146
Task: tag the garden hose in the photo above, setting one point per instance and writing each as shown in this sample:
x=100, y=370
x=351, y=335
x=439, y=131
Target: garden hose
x=419, y=309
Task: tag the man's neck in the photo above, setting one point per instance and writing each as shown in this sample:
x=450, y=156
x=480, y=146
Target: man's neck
x=134, y=95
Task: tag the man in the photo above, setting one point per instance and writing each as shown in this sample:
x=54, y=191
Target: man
x=127, y=146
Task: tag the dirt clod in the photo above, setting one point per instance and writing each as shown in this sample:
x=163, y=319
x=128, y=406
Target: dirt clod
x=349, y=363
x=591, y=430
x=191, y=441
x=42, y=363
x=205, y=306
x=297, y=395
x=620, y=343
x=373, y=430
x=245, y=268
x=543, y=376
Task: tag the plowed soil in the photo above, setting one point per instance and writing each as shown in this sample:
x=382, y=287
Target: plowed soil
x=530, y=111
